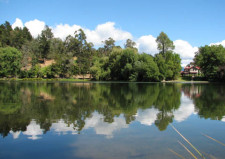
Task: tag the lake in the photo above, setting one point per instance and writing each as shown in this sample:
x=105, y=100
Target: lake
x=111, y=120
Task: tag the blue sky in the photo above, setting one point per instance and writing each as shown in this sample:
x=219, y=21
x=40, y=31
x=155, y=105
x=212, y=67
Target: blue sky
x=195, y=22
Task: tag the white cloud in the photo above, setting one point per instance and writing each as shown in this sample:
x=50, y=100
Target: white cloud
x=17, y=23
x=33, y=131
x=104, y=31
x=219, y=43
x=104, y=128
x=185, y=62
x=35, y=27
x=147, y=44
x=147, y=116
x=185, y=49
x=101, y=32
x=63, y=30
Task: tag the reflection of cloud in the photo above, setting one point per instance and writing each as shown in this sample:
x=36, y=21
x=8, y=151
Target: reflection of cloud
x=223, y=119
x=185, y=110
x=147, y=116
x=33, y=130
x=15, y=134
x=104, y=128
x=62, y=127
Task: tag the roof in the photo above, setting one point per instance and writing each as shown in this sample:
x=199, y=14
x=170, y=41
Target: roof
x=192, y=67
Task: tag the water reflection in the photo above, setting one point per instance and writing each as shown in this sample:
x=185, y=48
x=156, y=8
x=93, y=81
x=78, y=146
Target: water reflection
x=32, y=109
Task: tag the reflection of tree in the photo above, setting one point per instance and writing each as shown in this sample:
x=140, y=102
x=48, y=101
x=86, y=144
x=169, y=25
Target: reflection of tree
x=209, y=99
x=47, y=103
x=167, y=101
x=163, y=120
x=211, y=102
x=10, y=106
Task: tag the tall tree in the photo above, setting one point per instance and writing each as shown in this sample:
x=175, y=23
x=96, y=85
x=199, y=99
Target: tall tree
x=5, y=34
x=108, y=45
x=129, y=44
x=84, y=52
x=164, y=43
x=44, y=42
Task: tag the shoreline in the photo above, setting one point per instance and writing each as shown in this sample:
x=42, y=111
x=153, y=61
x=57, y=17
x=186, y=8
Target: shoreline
x=89, y=80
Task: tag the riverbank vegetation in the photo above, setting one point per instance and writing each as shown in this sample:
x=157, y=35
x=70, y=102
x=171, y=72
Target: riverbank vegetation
x=22, y=56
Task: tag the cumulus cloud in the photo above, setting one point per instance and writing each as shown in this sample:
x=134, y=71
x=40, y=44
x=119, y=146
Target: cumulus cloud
x=63, y=30
x=219, y=43
x=104, y=31
x=147, y=44
x=35, y=27
x=17, y=23
x=96, y=36
x=101, y=32
x=185, y=49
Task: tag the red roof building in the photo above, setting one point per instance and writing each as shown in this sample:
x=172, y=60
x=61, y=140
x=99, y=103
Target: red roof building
x=191, y=70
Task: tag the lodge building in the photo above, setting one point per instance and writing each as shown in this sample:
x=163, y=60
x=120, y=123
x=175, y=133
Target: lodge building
x=191, y=70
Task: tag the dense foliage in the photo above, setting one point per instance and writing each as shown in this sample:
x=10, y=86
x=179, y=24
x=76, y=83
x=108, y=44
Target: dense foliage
x=10, y=62
x=75, y=56
x=211, y=60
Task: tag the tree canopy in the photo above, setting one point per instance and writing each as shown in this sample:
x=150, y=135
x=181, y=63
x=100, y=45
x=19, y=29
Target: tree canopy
x=76, y=56
x=211, y=60
x=164, y=43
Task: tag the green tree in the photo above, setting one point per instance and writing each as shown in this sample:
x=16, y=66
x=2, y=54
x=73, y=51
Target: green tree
x=45, y=42
x=145, y=69
x=5, y=34
x=100, y=69
x=30, y=53
x=109, y=44
x=84, y=52
x=164, y=43
x=129, y=44
x=19, y=36
x=211, y=59
x=57, y=47
x=10, y=59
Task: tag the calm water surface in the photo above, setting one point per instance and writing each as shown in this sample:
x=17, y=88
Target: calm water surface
x=111, y=120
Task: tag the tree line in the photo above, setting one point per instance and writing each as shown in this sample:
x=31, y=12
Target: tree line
x=21, y=56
